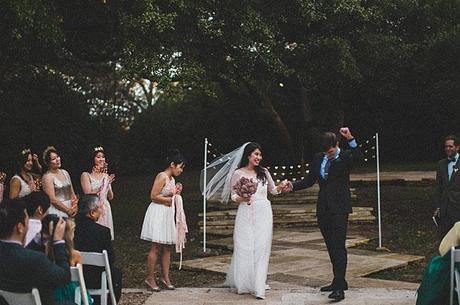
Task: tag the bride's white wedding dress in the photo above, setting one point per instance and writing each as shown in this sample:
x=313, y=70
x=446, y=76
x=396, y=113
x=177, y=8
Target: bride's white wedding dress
x=252, y=238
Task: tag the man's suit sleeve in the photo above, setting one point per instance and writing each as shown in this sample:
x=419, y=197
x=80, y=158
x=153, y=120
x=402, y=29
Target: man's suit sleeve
x=310, y=179
x=53, y=274
x=356, y=155
x=438, y=188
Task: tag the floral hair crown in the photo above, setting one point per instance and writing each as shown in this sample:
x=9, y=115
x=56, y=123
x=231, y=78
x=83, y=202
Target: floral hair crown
x=47, y=150
x=99, y=148
x=26, y=151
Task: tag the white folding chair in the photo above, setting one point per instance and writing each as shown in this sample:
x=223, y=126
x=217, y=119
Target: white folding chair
x=76, y=274
x=101, y=260
x=454, y=274
x=28, y=298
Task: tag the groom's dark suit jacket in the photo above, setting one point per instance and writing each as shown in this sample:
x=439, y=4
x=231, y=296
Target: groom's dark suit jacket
x=334, y=192
x=23, y=269
x=447, y=192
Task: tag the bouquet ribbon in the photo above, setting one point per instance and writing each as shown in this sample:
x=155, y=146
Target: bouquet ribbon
x=181, y=225
x=102, y=194
x=2, y=189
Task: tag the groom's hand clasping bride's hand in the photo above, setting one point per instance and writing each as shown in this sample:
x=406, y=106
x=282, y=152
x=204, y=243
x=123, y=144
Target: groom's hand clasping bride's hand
x=285, y=186
x=345, y=132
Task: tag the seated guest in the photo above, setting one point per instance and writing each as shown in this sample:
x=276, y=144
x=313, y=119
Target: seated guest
x=37, y=205
x=23, y=269
x=93, y=237
x=435, y=285
x=452, y=239
x=67, y=292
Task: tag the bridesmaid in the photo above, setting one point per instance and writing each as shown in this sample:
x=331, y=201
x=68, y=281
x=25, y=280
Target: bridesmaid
x=97, y=181
x=159, y=227
x=58, y=185
x=23, y=182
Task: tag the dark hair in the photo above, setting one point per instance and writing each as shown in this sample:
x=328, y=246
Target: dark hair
x=248, y=150
x=21, y=160
x=12, y=212
x=87, y=203
x=47, y=155
x=453, y=138
x=46, y=224
x=94, y=151
x=328, y=140
x=35, y=200
x=175, y=157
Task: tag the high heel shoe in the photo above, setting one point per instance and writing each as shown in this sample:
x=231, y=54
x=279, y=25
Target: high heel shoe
x=169, y=287
x=154, y=289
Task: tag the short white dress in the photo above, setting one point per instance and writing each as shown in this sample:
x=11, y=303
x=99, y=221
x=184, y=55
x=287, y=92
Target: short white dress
x=159, y=226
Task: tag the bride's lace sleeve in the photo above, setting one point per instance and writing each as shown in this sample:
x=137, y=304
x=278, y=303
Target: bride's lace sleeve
x=271, y=184
x=235, y=177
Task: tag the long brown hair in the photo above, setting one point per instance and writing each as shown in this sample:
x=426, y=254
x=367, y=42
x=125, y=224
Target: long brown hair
x=248, y=150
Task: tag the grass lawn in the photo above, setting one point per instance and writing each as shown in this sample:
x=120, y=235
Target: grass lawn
x=406, y=225
x=407, y=228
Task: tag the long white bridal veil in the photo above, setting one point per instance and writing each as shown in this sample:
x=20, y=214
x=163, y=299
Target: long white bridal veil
x=219, y=175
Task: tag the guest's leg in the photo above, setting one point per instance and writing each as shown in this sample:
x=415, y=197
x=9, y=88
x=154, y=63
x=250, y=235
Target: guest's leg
x=165, y=263
x=151, y=264
x=117, y=278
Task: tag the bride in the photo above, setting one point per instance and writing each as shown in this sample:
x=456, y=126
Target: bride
x=254, y=220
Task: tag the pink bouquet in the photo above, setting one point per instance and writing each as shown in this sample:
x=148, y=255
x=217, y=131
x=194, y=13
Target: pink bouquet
x=245, y=187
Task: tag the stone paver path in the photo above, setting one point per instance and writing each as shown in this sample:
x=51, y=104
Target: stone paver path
x=299, y=256
x=281, y=296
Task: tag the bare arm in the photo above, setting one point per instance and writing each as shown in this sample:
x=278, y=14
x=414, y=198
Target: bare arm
x=158, y=184
x=110, y=193
x=110, y=178
x=15, y=188
x=72, y=192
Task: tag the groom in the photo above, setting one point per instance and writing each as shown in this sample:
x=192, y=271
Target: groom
x=331, y=169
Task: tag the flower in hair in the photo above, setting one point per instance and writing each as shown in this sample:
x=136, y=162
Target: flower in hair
x=48, y=149
x=26, y=151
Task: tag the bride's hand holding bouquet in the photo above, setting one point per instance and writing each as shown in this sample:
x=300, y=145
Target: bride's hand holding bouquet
x=245, y=188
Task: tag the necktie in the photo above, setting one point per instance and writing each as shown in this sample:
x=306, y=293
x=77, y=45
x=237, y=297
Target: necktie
x=326, y=168
x=451, y=168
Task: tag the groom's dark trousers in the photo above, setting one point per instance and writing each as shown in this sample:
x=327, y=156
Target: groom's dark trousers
x=333, y=207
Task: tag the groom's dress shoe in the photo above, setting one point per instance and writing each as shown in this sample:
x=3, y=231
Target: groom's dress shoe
x=327, y=288
x=337, y=295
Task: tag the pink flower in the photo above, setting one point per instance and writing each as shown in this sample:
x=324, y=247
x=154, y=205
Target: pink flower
x=245, y=187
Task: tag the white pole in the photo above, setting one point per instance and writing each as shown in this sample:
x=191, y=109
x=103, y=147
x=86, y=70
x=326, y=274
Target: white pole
x=205, y=192
x=378, y=188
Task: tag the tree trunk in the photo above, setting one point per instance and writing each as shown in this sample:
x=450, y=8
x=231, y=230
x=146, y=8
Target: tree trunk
x=284, y=135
